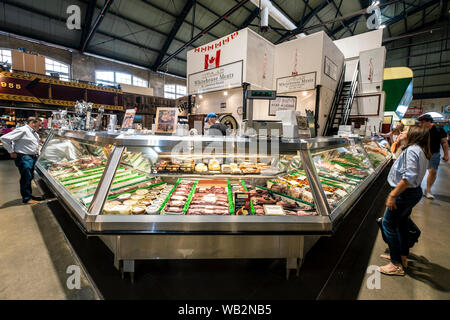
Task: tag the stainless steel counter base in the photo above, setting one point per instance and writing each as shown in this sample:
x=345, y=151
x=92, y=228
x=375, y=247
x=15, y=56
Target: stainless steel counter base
x=128, y=248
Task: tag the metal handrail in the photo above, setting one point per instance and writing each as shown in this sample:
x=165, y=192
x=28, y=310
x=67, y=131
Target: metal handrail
x=351, y=95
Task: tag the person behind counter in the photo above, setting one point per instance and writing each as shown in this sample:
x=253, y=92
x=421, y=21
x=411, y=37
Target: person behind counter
x=405, y=178
x=216, y=128
x=23, y=146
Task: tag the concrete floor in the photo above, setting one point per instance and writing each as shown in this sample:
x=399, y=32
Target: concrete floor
x=34, y=253
x=428, y=276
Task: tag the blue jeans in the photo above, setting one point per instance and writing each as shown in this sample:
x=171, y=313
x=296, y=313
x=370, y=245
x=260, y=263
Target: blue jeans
x=25, y=164
x=395, y=223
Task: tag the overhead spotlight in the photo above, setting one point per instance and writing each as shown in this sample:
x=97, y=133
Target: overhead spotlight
x=305, y=93
x=200, y=96
x=225, y=93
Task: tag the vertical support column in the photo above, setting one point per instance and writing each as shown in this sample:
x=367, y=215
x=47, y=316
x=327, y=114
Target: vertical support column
x=316, y=111
x=104, y=185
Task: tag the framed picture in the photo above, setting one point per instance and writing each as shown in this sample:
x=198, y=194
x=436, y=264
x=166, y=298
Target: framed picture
x=166, y=120
x=387, y=119
x=128, y=119
x=282, y=103
x=331, y=69
x=367, y=105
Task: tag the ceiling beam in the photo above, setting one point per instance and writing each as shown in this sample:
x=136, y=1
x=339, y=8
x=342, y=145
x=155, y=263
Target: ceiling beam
x=431, y=95
x=97, y=23
x=406, y=13
x=176, y=27
x=417, y=55
x=155, y=6
x=316, y=13
x=338, y=11
x=63, y=20
x=302, y=22
x=354, y=18
x=88, y=21
x=140, y=24
x=250, y=18
x=250, y=11
x=283, y=11
x=202, y=33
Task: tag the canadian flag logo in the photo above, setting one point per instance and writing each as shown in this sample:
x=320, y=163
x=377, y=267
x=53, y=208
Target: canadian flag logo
x=212, y=61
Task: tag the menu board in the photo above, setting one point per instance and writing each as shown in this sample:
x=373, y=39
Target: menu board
x=282, y=103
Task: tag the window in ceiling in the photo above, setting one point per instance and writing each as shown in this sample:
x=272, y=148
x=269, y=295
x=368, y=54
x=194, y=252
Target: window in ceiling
x=5, y=56
x=111, y=78
x=174, y=91
x=53, y=66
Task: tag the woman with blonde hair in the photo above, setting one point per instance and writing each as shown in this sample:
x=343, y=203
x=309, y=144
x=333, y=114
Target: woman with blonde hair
x=405, y=177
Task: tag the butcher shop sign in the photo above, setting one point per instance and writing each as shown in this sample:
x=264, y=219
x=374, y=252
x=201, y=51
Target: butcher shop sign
x=301, y=82
x=225, y=77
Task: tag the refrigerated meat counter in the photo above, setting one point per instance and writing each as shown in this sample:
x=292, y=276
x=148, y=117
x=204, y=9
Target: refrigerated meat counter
x=200, y=197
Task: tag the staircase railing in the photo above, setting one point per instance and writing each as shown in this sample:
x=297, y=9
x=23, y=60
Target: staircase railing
x=351, y=96
x=334, y=106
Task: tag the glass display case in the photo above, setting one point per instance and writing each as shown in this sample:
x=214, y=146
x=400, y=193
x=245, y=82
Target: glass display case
x=170, y=197
x=378, y=151
x=165, y=183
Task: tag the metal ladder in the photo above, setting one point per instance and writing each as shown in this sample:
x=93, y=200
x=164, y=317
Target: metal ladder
x=342, y=103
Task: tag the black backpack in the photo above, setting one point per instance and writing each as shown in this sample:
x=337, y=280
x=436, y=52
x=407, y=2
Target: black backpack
x=413, y=232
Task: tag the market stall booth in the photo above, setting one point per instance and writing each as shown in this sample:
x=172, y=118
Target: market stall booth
x=304, y=72
x=192, y=197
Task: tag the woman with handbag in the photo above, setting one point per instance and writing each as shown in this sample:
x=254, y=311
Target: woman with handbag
x=405, y=177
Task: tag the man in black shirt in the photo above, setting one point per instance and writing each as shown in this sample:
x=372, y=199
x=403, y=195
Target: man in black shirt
x=438, y=137
x=216, y=128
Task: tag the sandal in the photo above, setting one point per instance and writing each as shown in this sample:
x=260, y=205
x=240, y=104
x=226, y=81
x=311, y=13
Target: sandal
x=388, y=257
x=398, y=271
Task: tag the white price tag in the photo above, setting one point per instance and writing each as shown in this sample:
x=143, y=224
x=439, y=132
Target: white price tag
x=272, y=210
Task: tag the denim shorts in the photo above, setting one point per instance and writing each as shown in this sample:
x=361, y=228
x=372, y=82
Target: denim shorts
x=434, y=161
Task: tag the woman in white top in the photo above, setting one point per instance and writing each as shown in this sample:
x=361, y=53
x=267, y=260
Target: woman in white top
x=405, y=177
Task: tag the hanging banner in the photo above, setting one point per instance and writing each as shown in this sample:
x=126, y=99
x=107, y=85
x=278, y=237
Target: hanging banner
x=225, y=77
x=301, y=82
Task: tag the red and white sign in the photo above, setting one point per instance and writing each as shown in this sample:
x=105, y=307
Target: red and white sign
x=413, y=112
x=212, y=61
x=218, y=53
x=217, y=44
x=242, y=56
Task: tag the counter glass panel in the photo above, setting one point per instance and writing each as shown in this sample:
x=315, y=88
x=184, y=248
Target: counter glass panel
x=77, y=166
x=341, y=170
